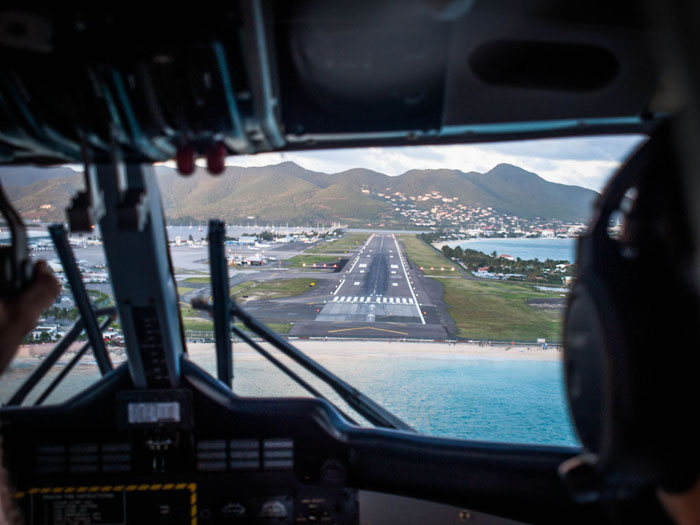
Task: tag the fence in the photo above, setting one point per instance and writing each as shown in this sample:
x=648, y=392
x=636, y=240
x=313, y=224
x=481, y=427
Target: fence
x=203, y=336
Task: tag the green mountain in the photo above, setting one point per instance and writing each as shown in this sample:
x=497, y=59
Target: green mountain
x=289, y=193
x=47, y=198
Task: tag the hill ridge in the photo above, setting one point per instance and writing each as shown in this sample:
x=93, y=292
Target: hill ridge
x=291, y=193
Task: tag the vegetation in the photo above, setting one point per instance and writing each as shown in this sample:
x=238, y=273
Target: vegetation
x=347, y=243
x=549, y=271
x=189, y=271
x=290, y=193
x=99, y=299
x=198, y=324
x=451, y=234
x=431, y=237
x=206, y=325
x=500, y=311
x=61, y=314
x=187, y=311
x=425, y=257
x=196, y=280
x=489, y=310
x=266, y=236
x=271, y=289
x=195, y=319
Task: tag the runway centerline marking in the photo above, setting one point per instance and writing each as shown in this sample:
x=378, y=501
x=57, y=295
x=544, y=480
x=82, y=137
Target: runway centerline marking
x=335, y=292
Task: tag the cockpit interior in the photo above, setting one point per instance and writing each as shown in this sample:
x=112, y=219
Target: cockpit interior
x=118, y=87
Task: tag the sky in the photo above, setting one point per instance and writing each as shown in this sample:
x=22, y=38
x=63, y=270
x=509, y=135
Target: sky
x=581, y=161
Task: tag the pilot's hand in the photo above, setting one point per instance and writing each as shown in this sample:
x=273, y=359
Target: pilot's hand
x=684, y=507
x=19, y=315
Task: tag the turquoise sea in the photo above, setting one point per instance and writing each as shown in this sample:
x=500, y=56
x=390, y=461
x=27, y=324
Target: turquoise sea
x=536, y=248
x=464, y=397
x=444, y=395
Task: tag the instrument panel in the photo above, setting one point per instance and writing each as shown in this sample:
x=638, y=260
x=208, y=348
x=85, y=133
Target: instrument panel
x=199, y=454
x=152, y=465
x=249, y=498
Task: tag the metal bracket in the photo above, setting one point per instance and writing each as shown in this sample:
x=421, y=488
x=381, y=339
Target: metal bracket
x=52, y=357
x=87, y=207
x=266, y=128
x=142, y=278
x=82, y=301
x=15, y=267
x=220, y=291
x=131, y=211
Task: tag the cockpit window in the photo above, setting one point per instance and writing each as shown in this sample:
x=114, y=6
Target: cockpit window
x=432, y=279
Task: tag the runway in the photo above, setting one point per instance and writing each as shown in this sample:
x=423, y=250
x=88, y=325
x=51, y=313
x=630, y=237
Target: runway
x=377, y=295
x=375, y=287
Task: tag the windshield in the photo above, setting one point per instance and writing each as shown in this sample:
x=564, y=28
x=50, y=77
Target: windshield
x=432, y=279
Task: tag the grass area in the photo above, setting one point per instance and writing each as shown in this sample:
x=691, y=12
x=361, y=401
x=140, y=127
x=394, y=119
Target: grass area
x=99, y=299
x=342, y=245
x=424, y=256
x=495, y=310
x=187, y=311
x=238, y=291
x=307, y=261
x=272, y=289
x=195, y=323
x=195, y=319
x=188, y=271
x=206, y=325
x=499, y=311
x=196, y=280
x=181, y=290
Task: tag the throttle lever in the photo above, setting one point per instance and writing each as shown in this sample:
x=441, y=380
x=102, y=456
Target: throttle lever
x=16, y=269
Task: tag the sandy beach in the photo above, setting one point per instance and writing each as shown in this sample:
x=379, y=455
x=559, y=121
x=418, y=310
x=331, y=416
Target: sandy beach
x=386, y=349
x=339, y=349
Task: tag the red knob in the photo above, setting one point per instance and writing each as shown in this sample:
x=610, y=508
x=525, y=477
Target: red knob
x=185, y=160
x=216, y=157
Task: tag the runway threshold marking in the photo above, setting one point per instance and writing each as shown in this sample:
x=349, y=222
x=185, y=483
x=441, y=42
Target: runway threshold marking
x=367, y=328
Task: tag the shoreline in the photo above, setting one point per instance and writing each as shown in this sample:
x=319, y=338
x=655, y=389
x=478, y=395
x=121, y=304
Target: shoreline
x=394, y=349
x=330, y=350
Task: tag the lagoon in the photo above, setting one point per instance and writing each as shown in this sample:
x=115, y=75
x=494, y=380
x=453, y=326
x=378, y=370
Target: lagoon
x=525, y=248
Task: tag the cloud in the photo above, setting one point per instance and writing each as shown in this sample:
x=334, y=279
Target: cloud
x=572, y=148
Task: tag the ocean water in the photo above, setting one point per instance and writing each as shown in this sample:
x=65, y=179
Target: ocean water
x=537, y=248
x=464, y=397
